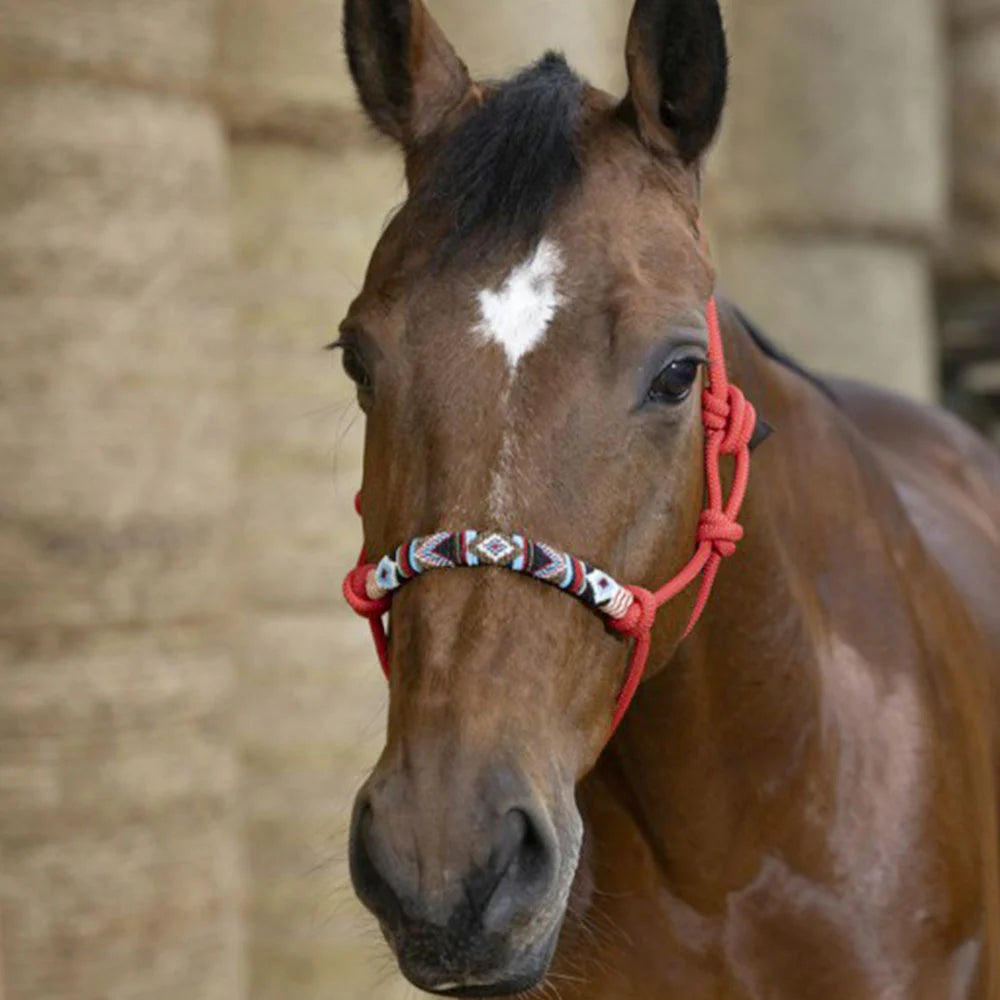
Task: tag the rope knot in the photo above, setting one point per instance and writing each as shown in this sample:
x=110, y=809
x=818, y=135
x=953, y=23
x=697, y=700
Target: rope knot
x=717, y=527
x=639, y=618
x=364, y=595
x=733, y=415
x=742, y=421
x=714, y=411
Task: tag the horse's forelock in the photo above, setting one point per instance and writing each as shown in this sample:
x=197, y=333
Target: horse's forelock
x=504, y=169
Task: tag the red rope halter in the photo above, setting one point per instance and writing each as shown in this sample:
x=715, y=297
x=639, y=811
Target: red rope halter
x=729, y=420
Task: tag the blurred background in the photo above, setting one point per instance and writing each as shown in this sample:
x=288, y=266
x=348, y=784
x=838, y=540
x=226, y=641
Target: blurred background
x=188, y=197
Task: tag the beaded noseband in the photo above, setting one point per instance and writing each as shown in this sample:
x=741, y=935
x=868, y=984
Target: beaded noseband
x=450, y=549
x=729, y=420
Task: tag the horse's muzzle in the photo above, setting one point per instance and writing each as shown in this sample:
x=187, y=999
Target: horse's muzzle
x=487, y=927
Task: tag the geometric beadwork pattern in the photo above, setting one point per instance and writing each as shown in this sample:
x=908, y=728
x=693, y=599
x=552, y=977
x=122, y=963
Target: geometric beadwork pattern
x=453, y=549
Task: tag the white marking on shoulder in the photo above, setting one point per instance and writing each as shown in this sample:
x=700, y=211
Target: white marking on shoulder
x=518, y=315
x=964, y=961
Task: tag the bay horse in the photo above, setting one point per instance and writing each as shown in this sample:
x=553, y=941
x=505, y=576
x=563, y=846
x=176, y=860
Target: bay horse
x=802, y=799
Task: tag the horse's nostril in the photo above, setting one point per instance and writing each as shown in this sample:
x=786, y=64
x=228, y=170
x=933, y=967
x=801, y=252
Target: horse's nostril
x=518, y=871
x=534, y=858
x=370, y=883
x=513, y=831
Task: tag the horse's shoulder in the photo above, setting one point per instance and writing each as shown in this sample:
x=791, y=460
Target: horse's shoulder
x=948, y=478
x=928, y=439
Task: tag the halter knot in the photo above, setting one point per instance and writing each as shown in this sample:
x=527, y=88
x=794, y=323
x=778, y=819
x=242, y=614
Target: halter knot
x=363, y=594
x=717, y=527
x=641, y=615
x=733, y=414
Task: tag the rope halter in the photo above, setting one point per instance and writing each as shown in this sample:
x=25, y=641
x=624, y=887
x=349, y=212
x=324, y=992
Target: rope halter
x=729, y=420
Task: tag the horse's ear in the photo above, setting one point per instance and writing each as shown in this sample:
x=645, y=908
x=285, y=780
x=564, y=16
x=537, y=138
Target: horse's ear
x=407, y=74
x=677, y=70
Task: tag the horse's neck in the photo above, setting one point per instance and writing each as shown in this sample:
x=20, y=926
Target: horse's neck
x=721, y=758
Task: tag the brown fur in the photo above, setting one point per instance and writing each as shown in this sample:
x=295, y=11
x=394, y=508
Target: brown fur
x=802, y=800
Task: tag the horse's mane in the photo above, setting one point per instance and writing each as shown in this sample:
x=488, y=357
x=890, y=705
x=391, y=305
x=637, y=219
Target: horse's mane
x=502, y=171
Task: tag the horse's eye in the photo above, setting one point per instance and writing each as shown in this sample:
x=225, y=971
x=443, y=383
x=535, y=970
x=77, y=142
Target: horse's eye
x=673, y=384
x=355, y=367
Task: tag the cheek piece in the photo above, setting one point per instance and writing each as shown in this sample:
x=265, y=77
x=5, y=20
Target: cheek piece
x=729, y=421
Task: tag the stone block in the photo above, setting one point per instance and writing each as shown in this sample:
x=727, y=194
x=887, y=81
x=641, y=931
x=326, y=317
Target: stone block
x=122, y=868
x=170, y=41
x=836, y=118
x=842, y=307
x=498, y=38
x=306, y=221
x=116, y=367
x=111, y=192
x=284, y=52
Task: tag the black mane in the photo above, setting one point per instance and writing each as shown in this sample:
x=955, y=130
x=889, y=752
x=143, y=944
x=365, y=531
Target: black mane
x=775, y=353
x=503, y=170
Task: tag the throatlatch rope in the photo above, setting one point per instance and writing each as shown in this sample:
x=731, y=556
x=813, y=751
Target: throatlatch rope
x=729, y=420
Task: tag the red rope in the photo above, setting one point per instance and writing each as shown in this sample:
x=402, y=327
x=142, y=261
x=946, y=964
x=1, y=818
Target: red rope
x=729, y=420
x=356, y=595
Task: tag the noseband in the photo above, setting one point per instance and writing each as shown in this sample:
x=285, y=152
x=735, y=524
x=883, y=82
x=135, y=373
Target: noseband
x=729, y=420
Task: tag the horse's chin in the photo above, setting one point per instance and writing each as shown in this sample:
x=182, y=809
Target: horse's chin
x=517, y=976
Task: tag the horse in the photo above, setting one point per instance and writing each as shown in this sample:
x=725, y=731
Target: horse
x=801, y=800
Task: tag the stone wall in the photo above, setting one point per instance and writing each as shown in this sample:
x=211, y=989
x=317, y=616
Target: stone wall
x=121, y=873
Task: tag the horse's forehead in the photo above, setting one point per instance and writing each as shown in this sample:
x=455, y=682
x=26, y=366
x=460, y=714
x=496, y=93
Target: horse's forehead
x=624, y=224
x=615, y=247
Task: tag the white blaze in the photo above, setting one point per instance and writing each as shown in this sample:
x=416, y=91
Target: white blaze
x=517, y=315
